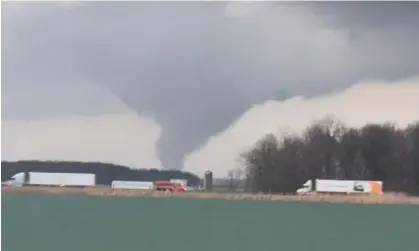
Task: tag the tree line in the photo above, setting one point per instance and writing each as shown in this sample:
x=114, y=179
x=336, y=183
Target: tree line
x=328, y=149
x=105, y=172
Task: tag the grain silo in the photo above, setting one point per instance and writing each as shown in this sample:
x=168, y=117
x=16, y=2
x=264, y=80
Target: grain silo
x=208, y=181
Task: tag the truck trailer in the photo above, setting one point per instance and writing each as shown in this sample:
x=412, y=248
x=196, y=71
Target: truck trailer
x=52, y=179
x=141, y=185
x=341, y=186
x=167, y=185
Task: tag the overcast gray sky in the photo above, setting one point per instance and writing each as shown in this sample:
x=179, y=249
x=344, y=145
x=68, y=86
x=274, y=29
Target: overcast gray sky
x=186, y=69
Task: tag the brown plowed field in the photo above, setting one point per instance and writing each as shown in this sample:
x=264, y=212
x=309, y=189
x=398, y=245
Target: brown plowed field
x=389, y=198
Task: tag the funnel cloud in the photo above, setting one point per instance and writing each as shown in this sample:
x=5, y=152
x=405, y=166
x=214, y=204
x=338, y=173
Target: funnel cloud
x=194, y=68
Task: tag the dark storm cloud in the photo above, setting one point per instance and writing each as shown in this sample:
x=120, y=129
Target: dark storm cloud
x=196, y=66
x=369, y=15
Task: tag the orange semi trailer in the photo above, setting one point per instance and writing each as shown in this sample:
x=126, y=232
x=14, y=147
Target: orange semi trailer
x=165, y=185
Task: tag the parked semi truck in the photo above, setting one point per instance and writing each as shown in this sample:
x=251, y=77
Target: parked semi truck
x=173, y=185
x=167, y=185
x=141, y=185
x=341, y=186
x=52, y=179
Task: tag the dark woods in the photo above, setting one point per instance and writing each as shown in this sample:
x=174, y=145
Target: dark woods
x=330, y=150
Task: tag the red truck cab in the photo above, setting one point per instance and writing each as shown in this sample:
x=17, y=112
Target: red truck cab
x=165, y=185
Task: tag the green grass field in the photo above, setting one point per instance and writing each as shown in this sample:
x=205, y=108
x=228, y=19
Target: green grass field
x=42, y=222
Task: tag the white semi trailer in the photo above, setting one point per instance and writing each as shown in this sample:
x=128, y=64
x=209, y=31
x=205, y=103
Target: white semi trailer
x=52, y=179
x=141, y=185
x=341, y=186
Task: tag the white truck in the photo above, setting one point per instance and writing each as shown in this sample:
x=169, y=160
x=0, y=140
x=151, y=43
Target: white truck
x=341, y=186
x=180, y=181
x=52, y=179
x=141, y=185
x=184, y=183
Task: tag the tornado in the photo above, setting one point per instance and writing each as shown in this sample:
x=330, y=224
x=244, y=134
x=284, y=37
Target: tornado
x=196, y=67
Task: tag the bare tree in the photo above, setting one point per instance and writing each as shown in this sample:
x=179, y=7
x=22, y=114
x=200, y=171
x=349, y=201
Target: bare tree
x=328, y=149
x=412, y=138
